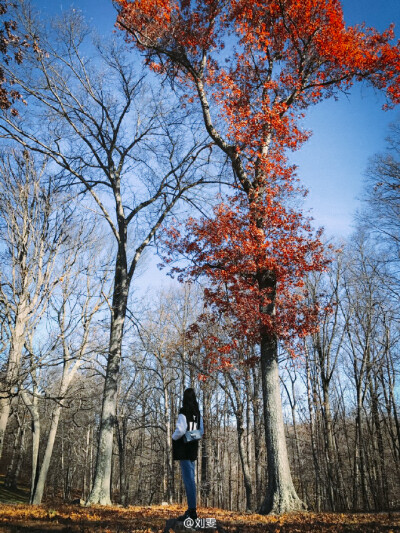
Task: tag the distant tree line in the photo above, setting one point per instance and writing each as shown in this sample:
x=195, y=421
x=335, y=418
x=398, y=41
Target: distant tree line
x=340, y=403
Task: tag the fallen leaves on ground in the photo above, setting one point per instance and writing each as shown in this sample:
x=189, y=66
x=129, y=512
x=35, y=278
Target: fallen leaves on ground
x=151, y=519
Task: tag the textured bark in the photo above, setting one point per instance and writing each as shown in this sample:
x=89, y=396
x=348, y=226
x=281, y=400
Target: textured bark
x=5, y=408
x=121, y=441
x=9, y=387
x=257, y=433
x=168, y=488
x=206, y=473
x=101, y=491
x=281, y=495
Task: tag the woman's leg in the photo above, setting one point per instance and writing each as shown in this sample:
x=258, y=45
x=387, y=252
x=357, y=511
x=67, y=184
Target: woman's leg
x=187, y=468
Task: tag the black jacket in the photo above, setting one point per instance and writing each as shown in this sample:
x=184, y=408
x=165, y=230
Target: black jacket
x=186, y=450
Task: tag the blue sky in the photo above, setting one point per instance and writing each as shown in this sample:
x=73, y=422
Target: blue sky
x=346, y=133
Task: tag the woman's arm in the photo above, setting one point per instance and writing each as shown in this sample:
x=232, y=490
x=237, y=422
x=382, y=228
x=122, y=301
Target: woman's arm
x=181, y=426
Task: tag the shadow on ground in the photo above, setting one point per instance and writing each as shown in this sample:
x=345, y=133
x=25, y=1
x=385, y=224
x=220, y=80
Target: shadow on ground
x=7, y=495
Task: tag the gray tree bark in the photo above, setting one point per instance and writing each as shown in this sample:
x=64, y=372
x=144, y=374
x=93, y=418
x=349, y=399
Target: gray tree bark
x=281, y=494
x=33, y=407
x=101, y=491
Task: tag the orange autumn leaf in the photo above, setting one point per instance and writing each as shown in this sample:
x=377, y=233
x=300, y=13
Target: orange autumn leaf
x=153, y=518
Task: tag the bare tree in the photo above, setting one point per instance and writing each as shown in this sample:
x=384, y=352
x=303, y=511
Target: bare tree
x=367, y=302
x=323, y=351
x=82, y=297
x=33, y=230
x=131, y=154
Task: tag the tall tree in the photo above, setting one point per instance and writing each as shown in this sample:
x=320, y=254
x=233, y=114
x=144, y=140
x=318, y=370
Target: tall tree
x=256, y=279
x=286, y=55
x=323, y=351
x=33, y=229
x=81, y=298
x=132, y=155
x=369, y=306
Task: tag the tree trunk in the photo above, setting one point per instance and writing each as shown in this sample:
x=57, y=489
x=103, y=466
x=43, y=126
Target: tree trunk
x=257, y=432
x=205, y=452
x=34, y=409
x=15, y=463
x=281, y=495
x=101, y=491
x=237, y=406
x=317, y=471
x=87, y=467
x=5, y=408
x=10, y=383
x=379, y=450
x=296, y=441
x=21, y=455
x=331, y=468
x=121, y=441
x=168, y=447
x=244, y=463
x=36, y=498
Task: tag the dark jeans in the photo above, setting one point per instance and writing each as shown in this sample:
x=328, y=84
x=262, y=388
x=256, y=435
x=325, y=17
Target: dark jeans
x=187, y=468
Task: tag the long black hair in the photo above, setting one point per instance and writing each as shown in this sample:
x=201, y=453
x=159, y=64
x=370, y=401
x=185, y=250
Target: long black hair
x=189, y=402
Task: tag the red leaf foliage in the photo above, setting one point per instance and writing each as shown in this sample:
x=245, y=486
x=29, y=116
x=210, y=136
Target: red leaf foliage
x=232, y=251
x=254, y=68
x=286, y=56
x=10, y=50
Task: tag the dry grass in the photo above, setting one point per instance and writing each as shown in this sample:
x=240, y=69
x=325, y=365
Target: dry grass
x=21, y=518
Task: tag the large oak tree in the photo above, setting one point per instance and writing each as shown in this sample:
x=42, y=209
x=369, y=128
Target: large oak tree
x=254, y=68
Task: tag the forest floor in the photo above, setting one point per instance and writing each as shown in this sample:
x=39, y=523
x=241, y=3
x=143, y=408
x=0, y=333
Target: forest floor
x=16, y=516
x=22, y=518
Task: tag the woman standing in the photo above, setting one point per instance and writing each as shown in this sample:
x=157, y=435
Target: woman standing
x=186, y=452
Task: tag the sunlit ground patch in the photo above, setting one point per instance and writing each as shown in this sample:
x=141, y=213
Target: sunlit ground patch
x=21, y=518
